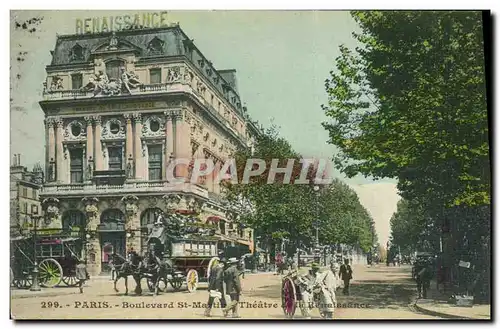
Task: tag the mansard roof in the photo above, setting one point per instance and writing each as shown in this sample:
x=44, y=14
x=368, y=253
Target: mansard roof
x=174, y=43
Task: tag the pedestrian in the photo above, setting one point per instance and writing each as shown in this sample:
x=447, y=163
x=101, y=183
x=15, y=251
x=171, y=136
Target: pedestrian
x=233, y=287
x=81, y=275
x=216, y=287
x=346, y=275
x=242, y=267
x=423, y=277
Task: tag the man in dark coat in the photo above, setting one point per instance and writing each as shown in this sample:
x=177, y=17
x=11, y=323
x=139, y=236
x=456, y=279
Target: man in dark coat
x=81, y=275
x=346, y=275
x=233, y=287
x=216, y=286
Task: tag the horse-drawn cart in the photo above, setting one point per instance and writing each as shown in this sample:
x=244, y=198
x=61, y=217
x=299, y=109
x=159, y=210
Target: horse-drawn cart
x=195, y=257
x=56, y=255
x=186, y=259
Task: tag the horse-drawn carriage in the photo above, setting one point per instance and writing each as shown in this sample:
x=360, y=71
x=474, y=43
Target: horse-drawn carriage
x=185, y=258
x=56, y=256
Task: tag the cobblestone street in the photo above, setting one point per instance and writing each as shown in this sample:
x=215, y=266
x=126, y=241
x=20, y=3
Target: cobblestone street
x=381, y=293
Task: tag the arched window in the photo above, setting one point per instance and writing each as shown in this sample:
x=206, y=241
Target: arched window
x=73, y=220
x=113, y=69
x=148, y=218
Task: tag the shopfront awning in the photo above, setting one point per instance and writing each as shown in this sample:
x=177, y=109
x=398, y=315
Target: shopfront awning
x=214, y=219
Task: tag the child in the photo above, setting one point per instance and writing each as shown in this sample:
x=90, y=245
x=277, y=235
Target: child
x=81, y=274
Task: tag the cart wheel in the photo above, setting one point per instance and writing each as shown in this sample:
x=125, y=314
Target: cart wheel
x=70, y=281
x=176, y=283
x=192, y=280
x=162, y=286
x=50, y=273
x=289, y=298
x=213, y=262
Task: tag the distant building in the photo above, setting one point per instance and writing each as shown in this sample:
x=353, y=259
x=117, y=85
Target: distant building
x=24, y=195
x=119, y=107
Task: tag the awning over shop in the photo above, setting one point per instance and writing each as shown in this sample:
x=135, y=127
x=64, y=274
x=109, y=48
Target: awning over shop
x=214, y=219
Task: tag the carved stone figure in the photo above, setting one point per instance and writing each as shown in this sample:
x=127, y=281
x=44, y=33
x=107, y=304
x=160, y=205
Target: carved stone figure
x=113, y=42
x=130, y=167
x=90, y=168
x=52, y=169
x=129, y=80
x=52, y=212
x=91, y=210
x=56, y=83
x=173, y=75
x=131, y=209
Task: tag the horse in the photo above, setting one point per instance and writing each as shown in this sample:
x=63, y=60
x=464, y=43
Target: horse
x=125, y=268
x=156, y=270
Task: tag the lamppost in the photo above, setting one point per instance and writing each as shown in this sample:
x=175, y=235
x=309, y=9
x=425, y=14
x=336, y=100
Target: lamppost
x=316, y=222
x=35, y=286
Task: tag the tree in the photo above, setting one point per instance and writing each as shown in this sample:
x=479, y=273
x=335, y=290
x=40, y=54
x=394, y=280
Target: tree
x=410, y=103
x=290, y=211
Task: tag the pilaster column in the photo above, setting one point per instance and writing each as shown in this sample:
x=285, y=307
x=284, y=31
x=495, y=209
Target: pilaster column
x=90, y=140
x=97, y=142
x=60, y=152
x=129, y=144
x=216, y=185
x=51, y=146
x=138, y=158
x=182, y=143
x=169, y=140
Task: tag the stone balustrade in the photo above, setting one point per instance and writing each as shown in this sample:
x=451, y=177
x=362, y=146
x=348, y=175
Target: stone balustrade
x=133, y=187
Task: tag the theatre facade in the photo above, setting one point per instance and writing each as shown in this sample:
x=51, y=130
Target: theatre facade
x=119, y=107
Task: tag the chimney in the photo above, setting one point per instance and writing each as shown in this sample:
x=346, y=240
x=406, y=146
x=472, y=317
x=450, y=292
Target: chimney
x=14, y=161
x=18, y=159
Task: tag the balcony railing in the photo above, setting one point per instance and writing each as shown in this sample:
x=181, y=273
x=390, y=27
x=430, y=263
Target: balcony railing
x=127, y=187
x=141, y=89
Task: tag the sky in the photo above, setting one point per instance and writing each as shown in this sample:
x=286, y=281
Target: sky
x=282, y=59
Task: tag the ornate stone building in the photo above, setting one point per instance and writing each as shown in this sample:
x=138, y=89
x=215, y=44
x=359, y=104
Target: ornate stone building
x=118, y=108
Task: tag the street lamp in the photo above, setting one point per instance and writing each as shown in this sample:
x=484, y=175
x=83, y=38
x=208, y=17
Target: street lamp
x=316, y=224
x=35, y=285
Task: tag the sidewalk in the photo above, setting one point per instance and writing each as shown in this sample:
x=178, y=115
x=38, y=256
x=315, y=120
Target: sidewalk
x=57, y=291
x=436, y=304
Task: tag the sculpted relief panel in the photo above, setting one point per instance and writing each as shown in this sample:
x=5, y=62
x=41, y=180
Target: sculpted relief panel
x=113, y=128
x=75, y=130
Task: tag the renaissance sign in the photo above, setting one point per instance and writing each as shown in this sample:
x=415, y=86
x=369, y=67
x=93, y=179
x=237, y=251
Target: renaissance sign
x=120, y=23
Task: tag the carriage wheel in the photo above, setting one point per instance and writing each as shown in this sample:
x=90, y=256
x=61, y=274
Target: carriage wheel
x=213, y=262
x=289, y=297
x=162, y=286
x=50, y=273
x=70, y=280
x=176, y=283
x=192, y=280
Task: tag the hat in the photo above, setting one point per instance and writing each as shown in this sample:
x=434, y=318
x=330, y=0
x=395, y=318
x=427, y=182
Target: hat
x=232, y=260
x=315, y=266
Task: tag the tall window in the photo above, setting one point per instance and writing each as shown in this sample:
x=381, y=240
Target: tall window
x=154, y=76
x=76, y=165
x=113, y=69
x=115, y=158
x=154, y=162
x=76, y=81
